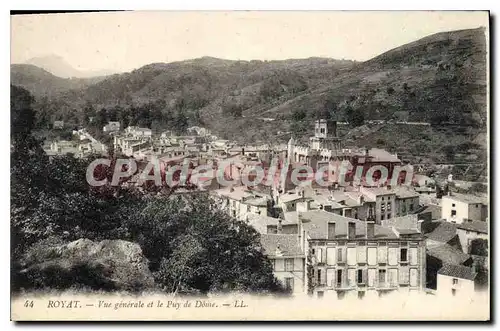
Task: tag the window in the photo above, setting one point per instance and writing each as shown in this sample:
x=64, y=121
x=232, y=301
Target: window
x=404, y=275
x=330, y=277
x=404, y=254
x=393, y=277
x=289, y=283
x=382, y=198
x=455, y=281
x=372, y=255
x=361, y=253
x=351, y=277
x=273, y=264
x=404, y=209
x=382, y=207
x=381, y=277
x=453, y=205
x=413, y=255
x=319, y=276
x=339, y=278
x=351, y=255
x=389, y=216
x=477, y=206
x=322, y=130
x=393, y=255
x=389, y=206
x=331, y=258
x=288, y=264
x=382, y=216
x=411, y=206
x=359, y=276
x=453, y=213
x=382, y=254
x=413, y=277
x=340, y=255
x=248, y=208
x=320, y=294
x=319, y=255
x=372, y=274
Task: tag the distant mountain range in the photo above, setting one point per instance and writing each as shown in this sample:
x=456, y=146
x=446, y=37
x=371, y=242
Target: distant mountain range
x=57, y=66
x=440, y=78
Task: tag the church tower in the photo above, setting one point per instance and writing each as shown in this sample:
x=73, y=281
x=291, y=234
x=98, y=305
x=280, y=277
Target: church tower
x=291, y=145
x=325, y=135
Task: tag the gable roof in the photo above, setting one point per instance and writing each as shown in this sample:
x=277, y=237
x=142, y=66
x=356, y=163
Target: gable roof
x=288, y=245
x=444, y=232
x=458, y=271
x=476, y=226
x=448, y=254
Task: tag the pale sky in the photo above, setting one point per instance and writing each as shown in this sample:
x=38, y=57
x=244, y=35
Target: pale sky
x=123, y=41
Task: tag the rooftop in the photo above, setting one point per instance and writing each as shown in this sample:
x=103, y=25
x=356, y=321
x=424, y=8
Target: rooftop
x=476, y=226
x=443, y=231
x=286, y=244
x=466, y=198
x=458, y=271
x=448, y=254
x=315, y=222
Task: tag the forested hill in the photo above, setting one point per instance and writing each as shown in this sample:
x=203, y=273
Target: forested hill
x=438, y=79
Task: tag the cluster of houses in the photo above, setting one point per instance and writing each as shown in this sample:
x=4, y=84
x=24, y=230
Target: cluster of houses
x=347, y=239
x=82, y=145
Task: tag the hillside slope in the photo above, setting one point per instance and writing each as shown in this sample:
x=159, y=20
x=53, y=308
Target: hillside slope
x=42, y=83
x=439, y=79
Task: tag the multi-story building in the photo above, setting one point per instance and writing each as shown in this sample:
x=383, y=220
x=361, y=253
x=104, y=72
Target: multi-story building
x=359, y=257
x=288, y=256
x=456, y=280
x=239, y=202
x=457, y=208
x=111, y=127
x=469, y=231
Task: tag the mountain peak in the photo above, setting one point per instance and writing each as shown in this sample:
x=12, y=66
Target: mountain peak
x=57, y=65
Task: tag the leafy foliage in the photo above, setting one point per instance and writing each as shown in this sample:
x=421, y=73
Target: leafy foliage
x=191, y=244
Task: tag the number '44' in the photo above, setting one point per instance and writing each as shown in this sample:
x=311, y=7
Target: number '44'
x=28, y=304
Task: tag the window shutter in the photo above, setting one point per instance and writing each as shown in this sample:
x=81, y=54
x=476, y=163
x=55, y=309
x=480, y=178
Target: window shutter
x=372, y=255
x=413, y=277
x=365, y=276
x=404, y=275
x=372, y=276
x=393, y=256
x=351, y=255
x=330, y=277
x=382, y=254
x=331, y=256
x=361, y=252
x=319, y=253
x=413, y=255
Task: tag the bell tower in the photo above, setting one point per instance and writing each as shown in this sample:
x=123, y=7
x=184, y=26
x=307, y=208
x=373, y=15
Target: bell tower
x=325, y=135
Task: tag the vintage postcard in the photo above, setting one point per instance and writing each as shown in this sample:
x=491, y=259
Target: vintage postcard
x=250, y=166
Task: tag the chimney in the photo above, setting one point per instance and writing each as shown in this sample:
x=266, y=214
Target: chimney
x=419, y=225
x=351, y=231
x=370, y=229
x=331, y=230
x=279, y=227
